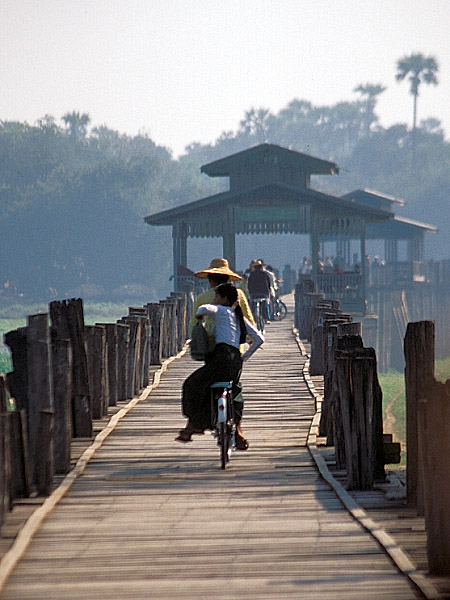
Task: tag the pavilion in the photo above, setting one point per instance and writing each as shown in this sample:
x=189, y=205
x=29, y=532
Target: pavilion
x=269, y=192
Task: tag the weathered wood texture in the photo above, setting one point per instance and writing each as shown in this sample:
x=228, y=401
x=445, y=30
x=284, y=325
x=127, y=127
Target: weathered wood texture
x=40, y=382
x=153, y=518
x=419, y=373
x=434, y=454
x=62, y=403
x=67, y=318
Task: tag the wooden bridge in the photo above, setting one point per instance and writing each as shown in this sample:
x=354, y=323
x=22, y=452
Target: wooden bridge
x=142, y=516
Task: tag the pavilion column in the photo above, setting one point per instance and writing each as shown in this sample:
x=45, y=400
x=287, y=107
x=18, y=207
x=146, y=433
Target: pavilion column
x=363, y=266
x=391, y=251
x=315, y=249
x=229, y=242
x=415, y=249
x=179, y=250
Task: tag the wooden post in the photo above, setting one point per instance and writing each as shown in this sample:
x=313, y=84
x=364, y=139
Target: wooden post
x=355, y=380
x=62, y=391
x=123, y=343
x=40, y=387
x=156, y=314
x=44, y=453
x=94, y=345
x=68, y=319
x=165, y=329
x=419, y=373
x=20, y=456
x=133, y=355
x=6, y=483
x=111, y=351
x=18, y=379
x=434, y=450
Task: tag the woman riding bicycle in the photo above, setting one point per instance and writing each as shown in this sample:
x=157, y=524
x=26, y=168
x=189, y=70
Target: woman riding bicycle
x=224, y=364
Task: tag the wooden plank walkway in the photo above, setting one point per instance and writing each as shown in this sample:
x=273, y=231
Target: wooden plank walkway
x=152, y=518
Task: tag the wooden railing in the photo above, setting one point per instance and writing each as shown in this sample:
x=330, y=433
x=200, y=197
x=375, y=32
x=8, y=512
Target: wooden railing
x=351, y=409
x=351, y=412
x=66, y=374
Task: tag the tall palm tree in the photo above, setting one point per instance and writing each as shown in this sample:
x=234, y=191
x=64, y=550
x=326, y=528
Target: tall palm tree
x=421, y=69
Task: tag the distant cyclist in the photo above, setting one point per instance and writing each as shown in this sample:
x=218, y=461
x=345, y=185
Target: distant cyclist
x=259, y=285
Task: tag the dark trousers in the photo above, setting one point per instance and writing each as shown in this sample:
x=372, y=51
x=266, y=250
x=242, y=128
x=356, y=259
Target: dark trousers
x=223, y=364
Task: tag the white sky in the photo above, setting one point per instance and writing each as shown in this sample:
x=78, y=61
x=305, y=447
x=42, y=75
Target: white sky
x=186, y=70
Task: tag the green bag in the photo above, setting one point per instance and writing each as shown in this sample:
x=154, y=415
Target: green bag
x=199, y=342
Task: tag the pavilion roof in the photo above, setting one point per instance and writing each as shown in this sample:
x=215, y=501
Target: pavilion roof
x=224, y=167
x=272, y=193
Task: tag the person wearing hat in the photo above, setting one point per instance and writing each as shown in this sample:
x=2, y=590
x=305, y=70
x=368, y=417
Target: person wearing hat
x=217, y=273
x=224, y=363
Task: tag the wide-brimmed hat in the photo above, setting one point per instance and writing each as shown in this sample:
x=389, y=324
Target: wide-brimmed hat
x=219, y=266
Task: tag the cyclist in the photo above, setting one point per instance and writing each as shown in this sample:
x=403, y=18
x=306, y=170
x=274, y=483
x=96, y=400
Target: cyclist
x=259, y=285
x=224, y=364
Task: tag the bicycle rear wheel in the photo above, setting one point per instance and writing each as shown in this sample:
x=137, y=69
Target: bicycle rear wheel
x=280, y=311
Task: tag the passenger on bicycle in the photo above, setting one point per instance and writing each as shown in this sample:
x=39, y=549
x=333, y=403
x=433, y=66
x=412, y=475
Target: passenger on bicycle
x=224, y=364
x=218, y=272
x=259, y=285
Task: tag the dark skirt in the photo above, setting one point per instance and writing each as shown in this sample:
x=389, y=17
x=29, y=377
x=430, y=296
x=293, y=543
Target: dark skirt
x=223, y=364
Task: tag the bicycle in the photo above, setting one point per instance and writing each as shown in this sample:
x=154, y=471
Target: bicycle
x=279, y=311
x=224, y=421
x=259, y=312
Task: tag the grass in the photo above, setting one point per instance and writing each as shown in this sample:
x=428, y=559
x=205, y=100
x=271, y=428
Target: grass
x=393, y=386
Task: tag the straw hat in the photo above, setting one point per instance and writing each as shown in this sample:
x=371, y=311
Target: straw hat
x=218, y=266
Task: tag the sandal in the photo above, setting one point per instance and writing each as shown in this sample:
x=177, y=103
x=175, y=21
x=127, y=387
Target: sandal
x=241, y=442
x=185, y=435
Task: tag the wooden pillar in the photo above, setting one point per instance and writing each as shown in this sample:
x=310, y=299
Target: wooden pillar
x=156, y=313
x=229, y=243
x=40, y=387
x=123, y=349
x=95, y=347
x=44, y=453
x=62, y=391
x=391, y=251
x=314, y=239
x=419, y=373
x=67, y=317
x=179, y=236
x=415, y=248
x=363, y=267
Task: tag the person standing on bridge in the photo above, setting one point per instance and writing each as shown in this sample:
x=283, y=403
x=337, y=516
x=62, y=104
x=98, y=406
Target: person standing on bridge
x=223, y=364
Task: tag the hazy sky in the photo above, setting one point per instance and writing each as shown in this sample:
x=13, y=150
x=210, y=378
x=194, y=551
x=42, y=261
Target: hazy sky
x=187, y=70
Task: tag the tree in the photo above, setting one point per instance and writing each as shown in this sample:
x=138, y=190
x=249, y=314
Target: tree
x=369, y=93
x=76, y=124
x=419, y=69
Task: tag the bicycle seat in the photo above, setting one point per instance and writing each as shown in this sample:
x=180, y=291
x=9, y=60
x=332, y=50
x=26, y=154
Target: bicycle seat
x=222, y=384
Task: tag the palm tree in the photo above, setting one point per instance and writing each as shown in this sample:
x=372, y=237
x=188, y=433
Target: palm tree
x=420, y=69
x=76, y=124
x=369, y=93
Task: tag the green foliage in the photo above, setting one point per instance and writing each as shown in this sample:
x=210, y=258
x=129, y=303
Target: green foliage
x=73, y=200
x=394, y=400
x=5, y=363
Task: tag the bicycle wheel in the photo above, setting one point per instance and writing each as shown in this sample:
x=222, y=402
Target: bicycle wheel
x=280, y=311
x=224, y=444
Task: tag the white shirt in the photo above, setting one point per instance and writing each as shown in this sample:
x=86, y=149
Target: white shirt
x=226, y=328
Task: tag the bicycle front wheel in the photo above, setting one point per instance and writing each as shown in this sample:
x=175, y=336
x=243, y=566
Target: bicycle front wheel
x=224, y=444
x=280, y=311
